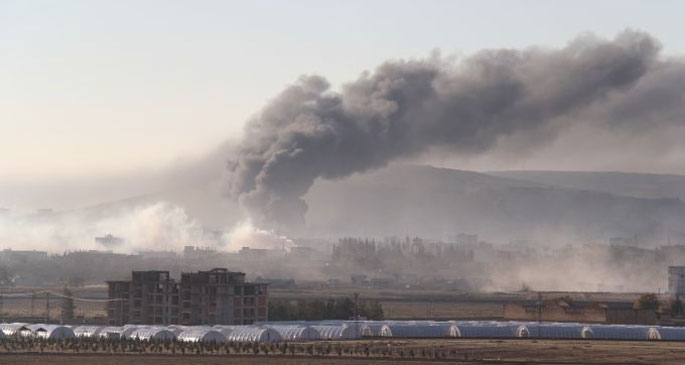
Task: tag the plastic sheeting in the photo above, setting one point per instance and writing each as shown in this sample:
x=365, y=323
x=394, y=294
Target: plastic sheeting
x=436, y=330
x=9, y=329
x=493, y=329
x=88, y=331
x=227, y=329
x=295, y=332
x=111, y=332
x=253, y=334
x=152, y=333
x=338, y=332
x=370, y=329
x=51, y=331
x=560, y=330
x=201, y=335
x=622, y=332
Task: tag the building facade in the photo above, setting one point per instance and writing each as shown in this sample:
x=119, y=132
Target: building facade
x=210, y=297
x=676, y=280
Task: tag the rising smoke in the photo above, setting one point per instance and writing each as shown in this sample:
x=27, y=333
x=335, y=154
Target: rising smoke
x=406, y=108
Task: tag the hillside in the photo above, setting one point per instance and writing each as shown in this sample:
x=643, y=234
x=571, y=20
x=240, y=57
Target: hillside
x=439, y=203
x=435, y=202
x=620, y=183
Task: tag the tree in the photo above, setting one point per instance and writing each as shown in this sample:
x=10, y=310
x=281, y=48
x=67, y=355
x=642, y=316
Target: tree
x=372, y=309
x=676, y=307
x=647, y=301
x=67, y=306
x=6, y=276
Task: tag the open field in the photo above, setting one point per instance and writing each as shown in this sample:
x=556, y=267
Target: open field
x=471, y=351
x=397, y=303
x=420, y=310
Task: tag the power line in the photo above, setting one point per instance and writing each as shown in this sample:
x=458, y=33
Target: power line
x=21, y=295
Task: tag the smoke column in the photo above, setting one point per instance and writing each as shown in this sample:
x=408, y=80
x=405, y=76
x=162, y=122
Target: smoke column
x=405, y=108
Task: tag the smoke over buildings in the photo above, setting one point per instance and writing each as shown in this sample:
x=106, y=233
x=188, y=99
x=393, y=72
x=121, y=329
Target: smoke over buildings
x=466, y=105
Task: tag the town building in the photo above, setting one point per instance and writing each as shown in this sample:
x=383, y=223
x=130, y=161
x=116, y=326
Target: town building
x=565, y=310
x=676, y=280
x=210, y=297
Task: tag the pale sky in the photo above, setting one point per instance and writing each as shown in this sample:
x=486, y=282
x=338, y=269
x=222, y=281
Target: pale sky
x=105, y=87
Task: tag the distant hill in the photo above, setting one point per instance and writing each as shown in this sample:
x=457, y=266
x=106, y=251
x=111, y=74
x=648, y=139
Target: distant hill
x=618, y=183
x=435, y=202
x=439, y=203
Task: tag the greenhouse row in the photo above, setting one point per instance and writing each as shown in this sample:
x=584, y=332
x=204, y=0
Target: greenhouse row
x=342, y=330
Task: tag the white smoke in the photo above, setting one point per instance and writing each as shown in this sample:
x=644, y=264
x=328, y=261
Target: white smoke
x=245, y=234
x=158, y=226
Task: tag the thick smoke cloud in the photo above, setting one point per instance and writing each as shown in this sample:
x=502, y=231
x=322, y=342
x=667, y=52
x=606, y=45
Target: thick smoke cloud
x=406, y=108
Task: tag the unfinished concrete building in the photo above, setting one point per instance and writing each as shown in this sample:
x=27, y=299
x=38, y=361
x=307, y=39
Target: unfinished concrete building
x=210, y=297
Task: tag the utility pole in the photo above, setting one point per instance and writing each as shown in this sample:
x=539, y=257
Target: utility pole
x=47, y=307
x=356, y=306
x=539, y=312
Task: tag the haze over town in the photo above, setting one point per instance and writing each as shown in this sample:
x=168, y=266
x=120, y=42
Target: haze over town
x=189, y=126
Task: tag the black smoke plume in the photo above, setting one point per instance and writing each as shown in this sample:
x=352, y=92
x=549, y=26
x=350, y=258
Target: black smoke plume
x=405, y=108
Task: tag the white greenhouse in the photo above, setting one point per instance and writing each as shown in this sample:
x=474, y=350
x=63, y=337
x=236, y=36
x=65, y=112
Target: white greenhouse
x=227, y=329
x=492, y=329
x=436, y=330
x=253, y=334
x=152, y=333
x=9, y=329
x=177, y=329
x=87, y=331
x=671, y=333
x=111, y=332
x=295, y=332
x=51, y=331
x=560, y=330
x=371, y=329
x=202, y=335
x=623, y=332
x=128, y=329
x=338, y=332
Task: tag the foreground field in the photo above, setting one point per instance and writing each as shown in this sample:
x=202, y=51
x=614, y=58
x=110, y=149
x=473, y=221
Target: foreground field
x=398, y=352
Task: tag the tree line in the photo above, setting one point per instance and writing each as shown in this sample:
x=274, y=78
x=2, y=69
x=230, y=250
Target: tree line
x=318, y=309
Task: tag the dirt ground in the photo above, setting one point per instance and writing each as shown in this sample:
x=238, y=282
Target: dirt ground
x=467, y=351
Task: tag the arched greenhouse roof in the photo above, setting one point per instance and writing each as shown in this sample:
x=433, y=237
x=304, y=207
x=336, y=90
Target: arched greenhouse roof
x=87, y=331
x=370, y=329
x=620, y=332
x=672, y=333
x=10, y=329
x=152, y=333
x=253, y=334
x=51, y=331
x=295, y=332
x=111, y=332
x=202, y=335
x=422, y=330
x=338, y=332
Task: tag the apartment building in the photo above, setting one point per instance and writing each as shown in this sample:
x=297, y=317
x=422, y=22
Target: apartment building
x=211, y=297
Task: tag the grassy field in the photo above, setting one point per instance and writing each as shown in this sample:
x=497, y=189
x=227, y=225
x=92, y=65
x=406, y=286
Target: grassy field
x=420, y=310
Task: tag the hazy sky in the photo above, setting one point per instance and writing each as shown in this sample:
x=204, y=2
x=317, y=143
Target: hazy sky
x=104, y=87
